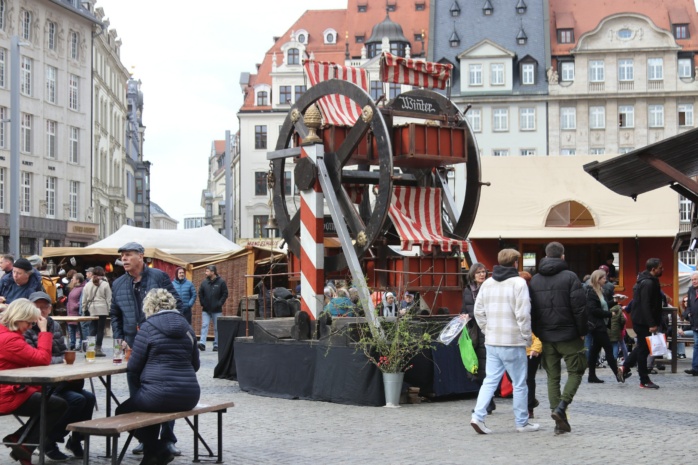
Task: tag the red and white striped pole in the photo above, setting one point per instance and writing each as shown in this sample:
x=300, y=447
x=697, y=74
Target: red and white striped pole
x=312, y=241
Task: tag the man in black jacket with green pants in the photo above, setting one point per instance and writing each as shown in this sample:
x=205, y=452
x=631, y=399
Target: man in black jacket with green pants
x=213, y=293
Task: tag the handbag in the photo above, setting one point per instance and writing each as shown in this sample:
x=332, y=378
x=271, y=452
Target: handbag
x=467, y=352
x=657, y=344
x=86, y=307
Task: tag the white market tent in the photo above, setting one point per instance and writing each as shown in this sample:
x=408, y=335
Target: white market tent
x=527, y=191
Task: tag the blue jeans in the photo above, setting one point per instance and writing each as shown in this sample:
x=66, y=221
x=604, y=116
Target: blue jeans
x=81, y=404
x=513, y=361
x=205, y=320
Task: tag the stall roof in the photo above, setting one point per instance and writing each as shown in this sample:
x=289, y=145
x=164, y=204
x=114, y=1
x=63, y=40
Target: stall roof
x=151, y=252
x=670, y=162
x=524, y=192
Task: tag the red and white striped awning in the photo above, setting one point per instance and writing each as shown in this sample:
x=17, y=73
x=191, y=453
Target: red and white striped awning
x=336, y=109
x=415, y=73
x=416, y=214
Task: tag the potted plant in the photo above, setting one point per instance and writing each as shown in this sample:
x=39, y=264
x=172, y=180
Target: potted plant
x=391, y=347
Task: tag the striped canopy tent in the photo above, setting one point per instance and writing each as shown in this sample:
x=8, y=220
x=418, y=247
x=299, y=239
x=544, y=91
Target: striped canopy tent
x=398, y=70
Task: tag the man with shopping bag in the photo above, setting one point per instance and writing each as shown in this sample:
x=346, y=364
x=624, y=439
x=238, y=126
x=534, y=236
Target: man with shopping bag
x=646, y=315
x=503, y=313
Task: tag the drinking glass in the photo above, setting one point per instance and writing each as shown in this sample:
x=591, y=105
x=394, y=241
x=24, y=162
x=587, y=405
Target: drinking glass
x=90, y=353
x=118, y=356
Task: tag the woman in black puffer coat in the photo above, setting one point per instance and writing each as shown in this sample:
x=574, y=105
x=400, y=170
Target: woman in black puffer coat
x=165, y=358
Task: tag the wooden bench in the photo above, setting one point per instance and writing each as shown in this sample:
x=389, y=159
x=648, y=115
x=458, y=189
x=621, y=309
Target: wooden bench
x=112, y=427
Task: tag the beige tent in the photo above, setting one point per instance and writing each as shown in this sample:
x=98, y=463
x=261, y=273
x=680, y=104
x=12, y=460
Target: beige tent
x=552, y=197
x=106, y=254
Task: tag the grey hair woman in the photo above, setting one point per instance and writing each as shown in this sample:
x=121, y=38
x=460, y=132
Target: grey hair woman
x=156, y=300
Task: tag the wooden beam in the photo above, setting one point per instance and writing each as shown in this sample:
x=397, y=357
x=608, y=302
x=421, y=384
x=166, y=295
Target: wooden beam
x=680, y=178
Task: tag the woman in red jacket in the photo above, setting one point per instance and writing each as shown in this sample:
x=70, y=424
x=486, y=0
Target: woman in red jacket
x=16, y=353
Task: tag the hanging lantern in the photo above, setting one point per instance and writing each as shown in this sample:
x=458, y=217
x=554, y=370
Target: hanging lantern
x=108, y=267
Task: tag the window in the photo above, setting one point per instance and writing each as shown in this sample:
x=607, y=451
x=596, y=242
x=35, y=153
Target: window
x=419, y=6
x=3, y=117
x=301, y=38
x=567, y=71
x=624, y=150
x=26, y=78
x=376, y=89
x=681, y=31
x=565, y=36
x=597, y=117
x=497, y=74
x=287, y=183
x=25, y=193
x=655, y=69
x=360, y=39
x=50, y=196
x=685, y=114
x=284, y=95
x=3, y=61
x=299, y=91
x=362, y=8
x=688, y=257
x=596, y=73
x=260, y=223
x=528, y=74
x=656, y=116
x=569, y=214
x=329, y=38
x=260, y=183
x=597, y=151
x=73, y=92
x=684, y=209
x=51, y=73
x=74, y=45
x=625, y=70
x=2, y=189
x=262, y=98
x=260, y=137
x=626, y=116
x=73, y=200
x=527, y=119
x=500, y=118
x=51, y=39
x=2, y=15
x=25, y=25
x=475, y=75
x=419, y=37
x=685, y=68
x=567, y=152
x=391, y=8
x=25, y=136
x=293, y=56
x=500, y=153
x=394, y=90
x=568, y=118
x=475, y=119
x=51, y=138
x=74, y=145
x=528, y=152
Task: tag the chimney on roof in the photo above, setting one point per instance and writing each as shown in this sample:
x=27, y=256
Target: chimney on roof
x=275, y=38
x=258, y=65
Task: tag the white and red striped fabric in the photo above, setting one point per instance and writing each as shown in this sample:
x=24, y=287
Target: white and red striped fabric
x=427, y=74
x=416, y=214
x=336, y=109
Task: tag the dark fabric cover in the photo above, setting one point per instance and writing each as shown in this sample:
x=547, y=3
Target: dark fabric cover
x=450, y=376
x=558, y=302
x=212, y=294
x=647, y=301
x=228, y=330
x=126, y=313
x=165, y=358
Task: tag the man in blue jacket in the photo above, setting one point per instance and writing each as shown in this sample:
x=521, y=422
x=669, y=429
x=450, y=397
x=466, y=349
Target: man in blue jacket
x=186, y=291
x=20, y=282
x=128, y=292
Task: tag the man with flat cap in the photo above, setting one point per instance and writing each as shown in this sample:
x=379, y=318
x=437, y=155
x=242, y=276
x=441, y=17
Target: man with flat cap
x=20, y=283
x=128, y=292
x=213, y=293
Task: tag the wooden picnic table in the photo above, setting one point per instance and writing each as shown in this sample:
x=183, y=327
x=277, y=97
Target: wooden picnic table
x=50, y=375
x=74, y=319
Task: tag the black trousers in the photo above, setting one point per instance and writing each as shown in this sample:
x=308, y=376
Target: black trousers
x=55, y=409
x=640, y=353
x=533, y=364
x=147, y=435
x=601, y=340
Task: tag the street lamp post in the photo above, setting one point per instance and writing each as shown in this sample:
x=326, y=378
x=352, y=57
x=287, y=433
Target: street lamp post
x=14, y=146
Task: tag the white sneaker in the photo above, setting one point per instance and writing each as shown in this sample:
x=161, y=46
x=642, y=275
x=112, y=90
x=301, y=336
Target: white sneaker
x=480, y=427
x=528, y=427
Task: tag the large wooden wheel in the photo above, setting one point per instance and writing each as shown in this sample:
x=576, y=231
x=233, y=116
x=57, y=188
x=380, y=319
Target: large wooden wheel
x=367, y=222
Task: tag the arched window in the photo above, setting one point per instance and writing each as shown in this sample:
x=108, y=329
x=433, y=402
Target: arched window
x=74, y=45
x=26, y=25
x=293, y=57
x=51, y=39
x=262, y=98
x=569, y=214
x=2, y=15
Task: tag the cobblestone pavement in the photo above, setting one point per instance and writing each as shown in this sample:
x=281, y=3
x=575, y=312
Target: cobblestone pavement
x=611, y=423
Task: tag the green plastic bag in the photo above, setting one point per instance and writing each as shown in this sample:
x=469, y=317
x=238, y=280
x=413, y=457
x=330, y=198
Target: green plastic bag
x=467, y=352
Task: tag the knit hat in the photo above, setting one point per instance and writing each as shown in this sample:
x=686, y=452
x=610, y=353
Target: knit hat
x=23, y=264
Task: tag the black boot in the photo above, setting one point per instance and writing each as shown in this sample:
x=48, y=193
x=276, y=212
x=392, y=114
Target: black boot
x=492, y=407
x=560, y=417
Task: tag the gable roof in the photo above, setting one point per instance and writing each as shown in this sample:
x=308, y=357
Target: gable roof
x=481, y=45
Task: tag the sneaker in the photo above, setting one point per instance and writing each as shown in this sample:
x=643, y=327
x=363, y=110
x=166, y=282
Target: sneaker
x=172, y=449
x=649, y=385
x=55, y=454
x=75, y=447
x=215, y=348
x=619, y=375
x=202, y=347
x=138, y=450
x=480, y=427
x=528, y=427
x=691, y=372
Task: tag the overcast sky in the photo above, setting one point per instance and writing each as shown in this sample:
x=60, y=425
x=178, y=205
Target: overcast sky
x=190, y=62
